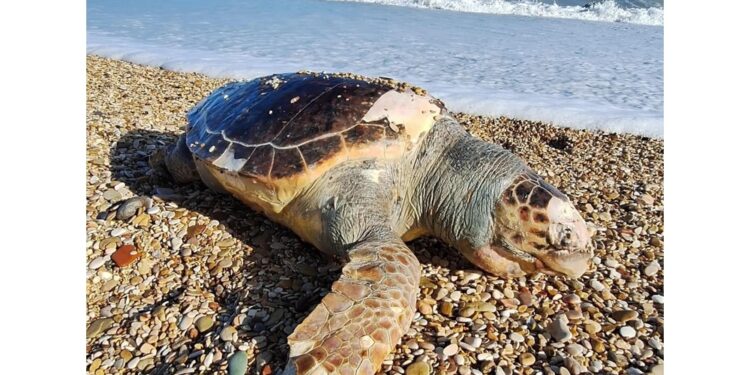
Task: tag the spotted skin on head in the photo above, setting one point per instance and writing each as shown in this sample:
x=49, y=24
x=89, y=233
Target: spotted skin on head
x=534, y=218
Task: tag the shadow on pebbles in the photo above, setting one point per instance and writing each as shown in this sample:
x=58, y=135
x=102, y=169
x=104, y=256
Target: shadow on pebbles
x=197, y=283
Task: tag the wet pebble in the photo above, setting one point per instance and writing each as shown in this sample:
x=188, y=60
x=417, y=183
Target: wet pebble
x=237, y=363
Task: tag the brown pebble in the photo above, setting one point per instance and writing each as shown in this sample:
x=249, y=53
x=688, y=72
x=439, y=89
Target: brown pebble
x=525, y=297
x=598, y=345
x=425, y=308
x=592, y=327
x=467, y=312
x=574, y=315
x=125, y=255
x=527, y=359
x=572, y=299
x=623, y=316
x=195, y=230
x=446, y=309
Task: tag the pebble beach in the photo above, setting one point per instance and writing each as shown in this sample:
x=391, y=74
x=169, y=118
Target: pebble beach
x=196, y=283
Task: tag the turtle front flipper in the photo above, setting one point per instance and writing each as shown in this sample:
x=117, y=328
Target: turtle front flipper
x=364, y=316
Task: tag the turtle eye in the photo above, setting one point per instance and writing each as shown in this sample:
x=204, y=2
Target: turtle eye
x=566, y=239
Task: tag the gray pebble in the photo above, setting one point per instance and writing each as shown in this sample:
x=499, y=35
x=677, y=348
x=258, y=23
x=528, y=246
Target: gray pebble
x=186, y=322
x=654, y=343
x=575, y=349
x=133, y=362
x=112, y=195
x=227, y=334
x=473, y=341
x=559, y=329
x=574, y=366
x=596, y=366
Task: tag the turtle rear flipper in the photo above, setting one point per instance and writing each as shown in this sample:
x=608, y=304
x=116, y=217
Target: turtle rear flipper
x=175, y=160
x=364, y=316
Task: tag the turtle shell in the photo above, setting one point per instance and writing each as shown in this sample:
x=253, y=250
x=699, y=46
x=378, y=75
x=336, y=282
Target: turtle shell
x=285, y=130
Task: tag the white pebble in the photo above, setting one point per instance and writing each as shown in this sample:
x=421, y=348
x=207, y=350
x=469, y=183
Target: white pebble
x=652, y=268
x=596, y=285
x=614, y=275
x=186, y=322
x=611, y=262
x=118, y=232
x=627, y=332
x=176, y=243
x=467, y=347
x=133, y=362
x=658, y=298
x=450, y=350
x=472, y=275
x=97, y=262
x=473, y=341
x=484, y=357
x=209, y=359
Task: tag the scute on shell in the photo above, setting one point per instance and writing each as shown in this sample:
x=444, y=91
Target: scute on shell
x=297, y=126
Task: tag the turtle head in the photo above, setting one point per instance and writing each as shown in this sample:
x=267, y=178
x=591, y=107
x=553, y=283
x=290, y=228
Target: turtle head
x=535, y=221
x=538, y=227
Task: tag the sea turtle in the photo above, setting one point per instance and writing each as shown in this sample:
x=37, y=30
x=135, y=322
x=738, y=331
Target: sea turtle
x=356, y=166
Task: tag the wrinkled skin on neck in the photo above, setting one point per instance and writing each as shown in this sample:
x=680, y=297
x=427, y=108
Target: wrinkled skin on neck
x=483, y=200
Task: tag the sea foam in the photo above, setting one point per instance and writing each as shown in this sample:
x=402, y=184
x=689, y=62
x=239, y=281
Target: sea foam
x=608, y=10
x=595, y=75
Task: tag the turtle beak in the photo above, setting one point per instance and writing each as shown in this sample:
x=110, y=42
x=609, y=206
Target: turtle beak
x=572, y=265
x=569, y=238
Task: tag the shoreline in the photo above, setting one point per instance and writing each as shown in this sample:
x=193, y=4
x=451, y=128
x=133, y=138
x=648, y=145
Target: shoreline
x=213, y=278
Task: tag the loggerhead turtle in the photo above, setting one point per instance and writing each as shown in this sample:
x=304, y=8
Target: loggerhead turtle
x=356, y=166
